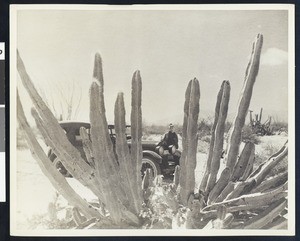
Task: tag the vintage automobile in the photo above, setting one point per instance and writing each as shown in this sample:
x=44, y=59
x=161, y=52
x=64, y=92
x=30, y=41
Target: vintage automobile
x=160, y=160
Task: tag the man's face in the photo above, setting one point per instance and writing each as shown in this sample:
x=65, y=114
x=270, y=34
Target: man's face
x=171, y=128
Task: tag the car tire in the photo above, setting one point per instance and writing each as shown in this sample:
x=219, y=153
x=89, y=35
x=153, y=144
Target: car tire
x=148, y=162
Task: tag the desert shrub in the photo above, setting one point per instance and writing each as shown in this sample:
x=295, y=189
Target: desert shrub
x=204, y=127
x=203, y=145
x=249, y=136
x=155, y=129
x=279, y=127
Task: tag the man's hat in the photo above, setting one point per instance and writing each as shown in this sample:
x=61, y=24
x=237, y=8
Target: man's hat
x=171, y=125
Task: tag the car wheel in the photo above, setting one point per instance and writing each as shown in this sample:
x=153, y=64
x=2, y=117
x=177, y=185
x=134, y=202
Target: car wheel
x=148, y=163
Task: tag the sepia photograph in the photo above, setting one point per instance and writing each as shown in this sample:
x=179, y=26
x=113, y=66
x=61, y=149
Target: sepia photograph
x=146, y=120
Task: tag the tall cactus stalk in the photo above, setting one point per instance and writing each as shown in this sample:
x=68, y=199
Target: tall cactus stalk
x=122, y=150
x=203, y=184
x=105, y=162
x=219, y=137
x=243, y=106
x=136, y=132
x=189, y=140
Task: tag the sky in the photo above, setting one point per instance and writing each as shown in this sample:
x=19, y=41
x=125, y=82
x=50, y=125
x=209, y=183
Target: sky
x=168, y=47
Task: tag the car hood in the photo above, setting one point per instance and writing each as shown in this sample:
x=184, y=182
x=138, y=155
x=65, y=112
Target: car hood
x=147, y=145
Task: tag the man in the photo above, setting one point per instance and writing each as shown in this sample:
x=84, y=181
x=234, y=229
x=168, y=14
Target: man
x=170, y=138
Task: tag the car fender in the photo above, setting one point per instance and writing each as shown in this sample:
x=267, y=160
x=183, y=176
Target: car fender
x=148, y=153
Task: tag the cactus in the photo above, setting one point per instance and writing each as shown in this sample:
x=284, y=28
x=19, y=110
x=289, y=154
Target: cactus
x=87, y=146
x=239, y=121
x=104, y=172
x=56, y=178
x=219, y=137
x=70, y=156
x=239, y=198
x=176, y=177
x=203, y=184
x=136, y=134
x=220, y=185
x=189, y=140
x=239, y=188
x=271, y=182
x=245, y=162
x=266, y=216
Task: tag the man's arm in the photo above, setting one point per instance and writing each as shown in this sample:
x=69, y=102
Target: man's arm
x=164, y=140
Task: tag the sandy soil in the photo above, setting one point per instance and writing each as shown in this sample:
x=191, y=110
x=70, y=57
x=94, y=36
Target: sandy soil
x=34, y=191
